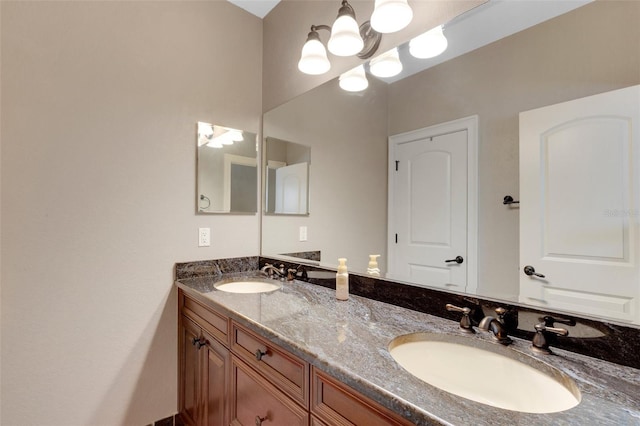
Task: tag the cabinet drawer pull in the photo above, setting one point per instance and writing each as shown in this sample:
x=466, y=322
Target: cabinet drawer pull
x=199, y=342
x=259, y=420
x=260, y=354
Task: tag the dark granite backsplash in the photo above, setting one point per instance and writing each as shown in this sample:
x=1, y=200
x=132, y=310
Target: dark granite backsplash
x=597, y=339
x=204, y=268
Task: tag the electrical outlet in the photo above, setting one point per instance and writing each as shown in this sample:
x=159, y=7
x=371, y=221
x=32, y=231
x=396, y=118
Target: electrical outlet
x=303, y=233
x=204, y=237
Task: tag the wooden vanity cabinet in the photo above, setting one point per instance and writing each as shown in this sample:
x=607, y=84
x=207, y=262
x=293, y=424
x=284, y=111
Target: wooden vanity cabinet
x=256, y=401
x=204, y=383
x=334, y=403
x=230, y=375
x=204, y=364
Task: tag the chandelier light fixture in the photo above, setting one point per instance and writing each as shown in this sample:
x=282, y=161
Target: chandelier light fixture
x=347, y=39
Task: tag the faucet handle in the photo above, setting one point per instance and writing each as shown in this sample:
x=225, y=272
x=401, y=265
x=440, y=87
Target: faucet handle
x=291, y=274
x=465, y=321
x=549, y=321
x=539, y=342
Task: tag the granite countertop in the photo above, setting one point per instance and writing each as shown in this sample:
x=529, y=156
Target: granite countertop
x=349, y=340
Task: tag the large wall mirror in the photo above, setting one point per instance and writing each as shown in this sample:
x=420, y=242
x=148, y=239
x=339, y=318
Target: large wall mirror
x=227, y=172
x=593, y=48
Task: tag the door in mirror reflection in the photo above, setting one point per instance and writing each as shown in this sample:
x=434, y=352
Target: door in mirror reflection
x=431, y=182
x=227, y=180
x=286, y=177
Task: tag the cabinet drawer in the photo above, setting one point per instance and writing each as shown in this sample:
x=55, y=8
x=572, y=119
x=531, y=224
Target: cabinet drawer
x=253, y=398
x=333, y=403
x=211, y=321
x=289, y=373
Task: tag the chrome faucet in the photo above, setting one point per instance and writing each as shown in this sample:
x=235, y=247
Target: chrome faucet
x=272, y=271
x=496, y=327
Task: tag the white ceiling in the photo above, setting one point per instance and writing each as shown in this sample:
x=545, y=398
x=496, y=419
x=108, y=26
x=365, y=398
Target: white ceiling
x=260, y=8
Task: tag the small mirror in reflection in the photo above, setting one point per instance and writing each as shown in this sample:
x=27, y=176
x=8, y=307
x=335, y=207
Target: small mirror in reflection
x=227, y=172
x=286, y=177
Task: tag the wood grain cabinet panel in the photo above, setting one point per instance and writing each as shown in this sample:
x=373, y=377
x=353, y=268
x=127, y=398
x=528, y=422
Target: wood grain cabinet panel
x=189, y=371
x=286, y=371
x=204, y=377
x=333, y=403
x=255, y=401
x=213, y=322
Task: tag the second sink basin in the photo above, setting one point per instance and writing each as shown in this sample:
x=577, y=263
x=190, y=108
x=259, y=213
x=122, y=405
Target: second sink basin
x=485, y=372
x=248, y=286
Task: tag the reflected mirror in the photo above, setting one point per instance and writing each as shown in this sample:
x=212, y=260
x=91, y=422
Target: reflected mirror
x=227, y=173
x=286, y=179
x=591, y=49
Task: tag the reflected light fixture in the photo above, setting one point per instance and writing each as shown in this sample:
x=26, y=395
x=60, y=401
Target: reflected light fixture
x=347, y=39
x=217, y=136
x=387, y=64
x=428, y=45
x=390, y=16
x=354, y=80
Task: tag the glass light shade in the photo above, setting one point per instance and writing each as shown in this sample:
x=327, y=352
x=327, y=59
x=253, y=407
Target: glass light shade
x=390, y=16
x=235, y=135
x=345, y=37
x=428, y=45
x=386, y=65
x=314, y=58
x=354, y=80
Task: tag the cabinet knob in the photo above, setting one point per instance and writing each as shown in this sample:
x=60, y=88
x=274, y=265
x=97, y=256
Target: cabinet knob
x=260, y=354
x=259, y=420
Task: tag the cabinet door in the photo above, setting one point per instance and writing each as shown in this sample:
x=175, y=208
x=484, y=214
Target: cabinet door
x=255, y=401
x=189, y=371
x=215, y=378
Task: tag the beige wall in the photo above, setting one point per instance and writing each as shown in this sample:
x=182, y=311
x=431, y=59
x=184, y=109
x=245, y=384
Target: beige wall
x=99, y=108
x=593, y=49
x=287, y=25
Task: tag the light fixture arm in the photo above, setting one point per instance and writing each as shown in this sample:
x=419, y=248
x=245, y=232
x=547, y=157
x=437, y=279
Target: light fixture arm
x=315, y=28
x=346, y=9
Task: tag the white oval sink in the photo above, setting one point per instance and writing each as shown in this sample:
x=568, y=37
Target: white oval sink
x=248, y=286
x=485, y=372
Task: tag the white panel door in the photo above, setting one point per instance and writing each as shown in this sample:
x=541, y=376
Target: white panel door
x=579, y=209
x=430, y=211
x=291, y=189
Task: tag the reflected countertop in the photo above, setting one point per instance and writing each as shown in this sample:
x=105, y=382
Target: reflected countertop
x=349, y=340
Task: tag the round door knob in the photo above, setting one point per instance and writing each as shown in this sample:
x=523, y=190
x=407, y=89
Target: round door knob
x=531, y=271
x=458, y=260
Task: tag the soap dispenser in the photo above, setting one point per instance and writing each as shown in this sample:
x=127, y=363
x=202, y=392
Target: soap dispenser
x=373, y=265
x=342, y=280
